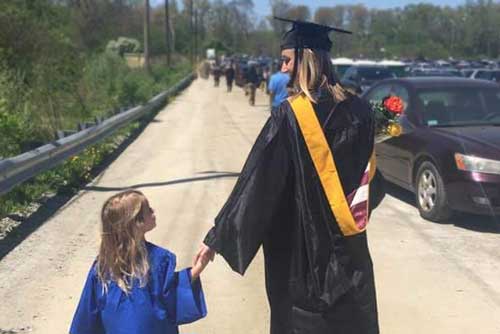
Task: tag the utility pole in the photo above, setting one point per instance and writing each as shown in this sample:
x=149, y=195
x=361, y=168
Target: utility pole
x=147, y=63
x=191, y=26
x=196, y=35
x=167, y=30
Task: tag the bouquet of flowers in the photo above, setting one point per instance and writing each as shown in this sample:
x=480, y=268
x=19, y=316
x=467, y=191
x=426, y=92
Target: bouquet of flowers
x=387, y=114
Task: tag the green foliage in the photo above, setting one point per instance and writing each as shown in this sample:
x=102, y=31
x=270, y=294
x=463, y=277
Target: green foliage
x=136, y=88
x=51, y=78
x=66, y=178
x=12, y=129
x=15, y=124
x=107, y=82
x=100, y=85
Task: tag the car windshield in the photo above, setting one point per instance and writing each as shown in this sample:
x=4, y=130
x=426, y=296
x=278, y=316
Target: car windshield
x=460, y=106
x=374, y=73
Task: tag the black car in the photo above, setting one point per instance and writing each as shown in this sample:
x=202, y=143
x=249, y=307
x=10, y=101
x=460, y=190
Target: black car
x=361, y=77
x=437, y=72
x=449, y=152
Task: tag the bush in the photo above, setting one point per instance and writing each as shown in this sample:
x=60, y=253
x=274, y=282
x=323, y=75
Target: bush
x=15, y=125
x=123, y=45
x=99, y=87
x=136, y=87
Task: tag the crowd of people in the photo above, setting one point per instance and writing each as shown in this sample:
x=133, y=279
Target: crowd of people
x=252, y=75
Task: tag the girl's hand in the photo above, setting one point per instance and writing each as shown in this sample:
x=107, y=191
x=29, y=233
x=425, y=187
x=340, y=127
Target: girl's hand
x=201, y=260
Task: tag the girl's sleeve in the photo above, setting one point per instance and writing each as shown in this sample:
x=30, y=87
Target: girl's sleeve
x=87, y=318
x=185, y=301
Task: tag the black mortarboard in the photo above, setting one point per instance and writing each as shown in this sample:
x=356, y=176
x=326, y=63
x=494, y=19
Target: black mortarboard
x=308, y=35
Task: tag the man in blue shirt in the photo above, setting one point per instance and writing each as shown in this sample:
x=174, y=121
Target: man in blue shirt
x=277, y=88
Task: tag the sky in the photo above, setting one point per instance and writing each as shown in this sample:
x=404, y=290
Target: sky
x=262, y=8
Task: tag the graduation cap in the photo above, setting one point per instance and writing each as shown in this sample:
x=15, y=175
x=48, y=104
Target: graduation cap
x=308, y=35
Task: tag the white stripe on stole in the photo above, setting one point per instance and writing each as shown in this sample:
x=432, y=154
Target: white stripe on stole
x=361, y=194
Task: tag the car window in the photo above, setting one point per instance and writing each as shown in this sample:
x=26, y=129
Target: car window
x=483, y=75
x=492, y=104
x=374, y=73
x=467, y=73
x=350, y=73
x=379, y=93
x=460, y=106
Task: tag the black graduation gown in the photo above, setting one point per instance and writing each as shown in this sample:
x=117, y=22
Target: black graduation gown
x=317, y=280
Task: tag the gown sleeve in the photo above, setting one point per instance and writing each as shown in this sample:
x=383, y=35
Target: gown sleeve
x=87, y=318
x=244, y=220
x=184, y=300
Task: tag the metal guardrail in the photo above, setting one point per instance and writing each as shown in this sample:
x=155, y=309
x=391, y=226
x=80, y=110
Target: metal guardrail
x=18, y=169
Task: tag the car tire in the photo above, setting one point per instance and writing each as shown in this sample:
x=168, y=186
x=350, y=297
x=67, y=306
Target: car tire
x=430, y=194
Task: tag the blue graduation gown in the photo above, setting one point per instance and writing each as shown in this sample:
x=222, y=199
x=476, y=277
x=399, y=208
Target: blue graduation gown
x=169, y=299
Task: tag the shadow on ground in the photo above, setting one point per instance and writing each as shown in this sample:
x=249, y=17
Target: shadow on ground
x=218, y=175
x=478, y=223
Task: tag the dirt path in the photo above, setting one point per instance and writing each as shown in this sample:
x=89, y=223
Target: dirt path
x=431, y=278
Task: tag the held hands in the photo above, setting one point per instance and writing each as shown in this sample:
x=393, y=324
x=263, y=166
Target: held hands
x=201, y=260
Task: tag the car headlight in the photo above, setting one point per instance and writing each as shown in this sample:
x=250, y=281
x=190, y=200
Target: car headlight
x=475, y=164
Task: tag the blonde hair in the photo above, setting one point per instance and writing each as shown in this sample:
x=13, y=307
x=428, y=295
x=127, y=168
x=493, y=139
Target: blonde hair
x=122, y=255
x=315, y=70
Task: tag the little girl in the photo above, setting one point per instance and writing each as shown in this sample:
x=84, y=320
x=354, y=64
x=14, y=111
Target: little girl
x=132, y=287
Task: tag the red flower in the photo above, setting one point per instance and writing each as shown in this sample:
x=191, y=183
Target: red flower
x=394, y=104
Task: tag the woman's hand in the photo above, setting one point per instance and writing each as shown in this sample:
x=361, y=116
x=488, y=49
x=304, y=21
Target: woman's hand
x=201, y=260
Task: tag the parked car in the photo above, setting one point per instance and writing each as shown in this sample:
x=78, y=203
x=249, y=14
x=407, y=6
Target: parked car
x=436, y=72
x=487, y=74
x=341, y=65
x=449, y=152
x=467, y=72
x=362, y=77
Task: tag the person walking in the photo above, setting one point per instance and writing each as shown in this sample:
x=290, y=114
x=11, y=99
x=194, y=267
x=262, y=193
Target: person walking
x=305, y=194
x=216, y=72
x=266, y=73
x=230, y=73
x=252, y=79
x=278, y=91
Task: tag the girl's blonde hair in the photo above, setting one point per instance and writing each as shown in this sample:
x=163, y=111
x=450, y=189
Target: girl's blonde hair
x=123, y=257
x=315, y=70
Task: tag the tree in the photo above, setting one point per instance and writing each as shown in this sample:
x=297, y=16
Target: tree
x=167, y=31
x=279, y=8
x=147, y=29
x=300, y=12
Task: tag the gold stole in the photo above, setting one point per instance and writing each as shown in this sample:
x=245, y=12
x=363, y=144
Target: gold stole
x=325, y=164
